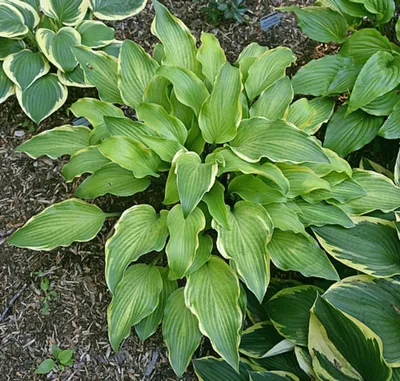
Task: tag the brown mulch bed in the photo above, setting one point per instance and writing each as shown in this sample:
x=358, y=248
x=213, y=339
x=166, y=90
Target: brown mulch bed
x=77, y=317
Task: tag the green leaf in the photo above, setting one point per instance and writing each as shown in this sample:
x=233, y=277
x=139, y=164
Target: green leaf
x=397, y=170
x=245, y=243
x=146, y=327
x=284, y=218
x=45, y=96
x=123, y=126
x=390, y=129
x=12, y=22
x=136, y=297
x=276, y=140
x=45, y=367
x=203, y=253
x=158, y=91
x=379, y=75
x=75, y=78
x=372, y=246
x=184, y=238
x=383, y=105
x=323, y=109
x=113, y=49
x=24, y=67
x=95, y=34
x=135, y=70
x=299, y=252
x=68, y=13
x=215, y=200
x=212, y=294
x=180, y=331
x=65, y=356
x=357, y=357
x=268, y=68
x=110, y=10
x=384, y=10
x=9, y=46
x=64, y=140
x=371, y=301
x=211, y=56
x=101, y=71
x=7, y=87
x=248, y=56
x=273, y=102
x=194, y=179
x=111, y=179
x=347, y=8
x=179, y=44
x=273, y=376
x=60, y=225
x=348, y=133
x=320, y=23
x=131, y=240
x=300, y=113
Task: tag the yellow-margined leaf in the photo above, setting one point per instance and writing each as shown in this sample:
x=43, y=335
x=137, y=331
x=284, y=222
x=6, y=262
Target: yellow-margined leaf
x=29, y=13
x=95, y=34
x=7, y=87
x=68, y=13
x=248, y=56
x=12, y=22
x=111, y=10
x=274, y=375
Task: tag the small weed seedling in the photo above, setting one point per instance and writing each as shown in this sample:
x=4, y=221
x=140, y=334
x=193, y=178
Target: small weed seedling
x=60, y=359
x=48, y=295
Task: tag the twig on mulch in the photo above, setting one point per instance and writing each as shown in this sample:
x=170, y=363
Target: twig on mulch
x=12, y=301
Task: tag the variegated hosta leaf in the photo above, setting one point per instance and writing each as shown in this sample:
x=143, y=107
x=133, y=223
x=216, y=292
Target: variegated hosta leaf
x=372, y=246
x=146, y=327
x=267, y=69
x=95, y=34
x=131, y=155
x=135, y=70
x=111, y=10
x=179, y=45
x=184, y=238
x=276, y=140
x=101, y=71
x=9, y=46
x=111, y=179
x=131, y=240
x=75, y=78
x=284, y=218
x=245, y=243
x=29, y=13
x=304, y=360
x=374, y=302
x=180, y=331
x=68, y=13
x=123, y=126
x=24, y=67
x=215, y=200
x=45, y=96
x=112, y=49
x=7, y=87
x=298, y=252
x=64, y=140
x=211, y=56
x=136, y=297
x=221, y=112
x=194, y=179
x=212, y=294
x=60, y=225
x=57, y=46
x=12, y=22
x=342, y=348
x=289, y=311
x=273, y=376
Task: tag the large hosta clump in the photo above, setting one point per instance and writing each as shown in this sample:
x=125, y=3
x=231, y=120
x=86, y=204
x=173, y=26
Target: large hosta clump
x=247, y=187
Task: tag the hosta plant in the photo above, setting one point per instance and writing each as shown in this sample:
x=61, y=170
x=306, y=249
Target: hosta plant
x=36, y=60
x=249, y=193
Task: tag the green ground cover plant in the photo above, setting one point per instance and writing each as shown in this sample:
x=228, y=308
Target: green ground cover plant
x=233, y=10
x=250, y=197
x=36, y=61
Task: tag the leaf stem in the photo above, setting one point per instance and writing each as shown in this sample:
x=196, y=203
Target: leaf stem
x=114, y=214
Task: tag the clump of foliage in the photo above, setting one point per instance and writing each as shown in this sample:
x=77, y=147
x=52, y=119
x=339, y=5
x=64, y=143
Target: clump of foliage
x=36, y=39
x=366, y=70
x=60, y=359
x=48, y=295
x=246, y=184
x=234, y=10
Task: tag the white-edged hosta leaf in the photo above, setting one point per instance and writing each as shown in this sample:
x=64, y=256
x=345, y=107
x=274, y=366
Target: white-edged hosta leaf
x=370, y=165
x=29, y=13
x=304, y=360
x=113, y=49
x=111, y=10
x=273, y=102
x=212, y=294
x=146, y=327
x=131, y=155
x=383, y=105
x=372, y=246
x=95, y=34
x=75, y=78
x=215, y=200
x=276, y=140
x=101, y=71
x=135, y=70
x=158, y=52
x=221, y=112
x=299, y=252
x=10, y=46
x=284, y=218
x=24, y=67
x=396, y=171
x=7, y=87
x=245, y=242
x=111, y=179
x=391, y=128
x=57, y=46
x=342, y=348
x=194, y=179
x=45, y=96
x=180, y=331
x=269, y=67
x=60, y=225
x=211, y=56
x=12, y=22
x=289, y=311
x=131, y=240
x=136, y=296
x=64, y=140
x=184, y=238
x=348, y=133
x=320, y=23
x=373, y=302
x=273, y=376
x=69, y=13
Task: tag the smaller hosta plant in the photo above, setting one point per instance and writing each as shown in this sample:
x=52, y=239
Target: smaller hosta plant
x=36, y=60
x=228, y=9
x=246, y=184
